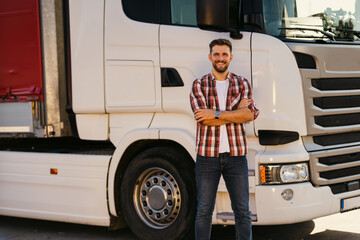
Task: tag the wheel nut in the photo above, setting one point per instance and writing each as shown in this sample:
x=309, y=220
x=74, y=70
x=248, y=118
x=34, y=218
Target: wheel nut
x=148, y=184
x=143, y=193
x=166, y=212
x=163, y=183
x=169, y=192
x=155, y=180
x=158, y=215
x=144, y=203
x=150, y=212
x=170, y=203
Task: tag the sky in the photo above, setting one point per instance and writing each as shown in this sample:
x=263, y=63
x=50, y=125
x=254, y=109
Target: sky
x=309, y=7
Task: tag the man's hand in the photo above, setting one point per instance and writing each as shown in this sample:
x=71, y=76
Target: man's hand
x=241, y=115
x=244, y=103
x=204, y=114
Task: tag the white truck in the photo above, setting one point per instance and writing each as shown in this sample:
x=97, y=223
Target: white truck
x=96, y=126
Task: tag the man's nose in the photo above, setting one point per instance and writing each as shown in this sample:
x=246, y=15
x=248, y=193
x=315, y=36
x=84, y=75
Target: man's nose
x=222, y=57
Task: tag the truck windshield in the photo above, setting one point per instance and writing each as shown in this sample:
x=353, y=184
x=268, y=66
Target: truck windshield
x=329, y=20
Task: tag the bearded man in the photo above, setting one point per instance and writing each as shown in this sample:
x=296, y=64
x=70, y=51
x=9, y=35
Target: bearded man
x=222, y=102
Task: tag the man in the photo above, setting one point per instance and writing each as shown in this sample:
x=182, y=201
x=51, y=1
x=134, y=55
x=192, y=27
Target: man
x=222, y=102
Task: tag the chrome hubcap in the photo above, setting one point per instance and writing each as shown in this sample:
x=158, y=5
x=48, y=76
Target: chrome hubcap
x=157, y=198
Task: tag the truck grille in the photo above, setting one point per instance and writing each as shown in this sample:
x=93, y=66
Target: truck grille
x=331, y=91
x=338, y=168
x=334, y=129
x=333, y=106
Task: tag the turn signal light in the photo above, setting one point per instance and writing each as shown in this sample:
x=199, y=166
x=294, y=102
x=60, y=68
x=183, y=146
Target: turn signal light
x=263, y=174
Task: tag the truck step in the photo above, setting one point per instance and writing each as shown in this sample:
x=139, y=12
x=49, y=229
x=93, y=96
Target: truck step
x=230, y=216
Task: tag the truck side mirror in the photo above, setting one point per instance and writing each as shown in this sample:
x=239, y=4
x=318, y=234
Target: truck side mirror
x=213, y=15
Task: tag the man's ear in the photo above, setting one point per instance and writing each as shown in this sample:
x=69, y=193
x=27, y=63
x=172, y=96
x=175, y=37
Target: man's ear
x=210, y=57
x=231, y=57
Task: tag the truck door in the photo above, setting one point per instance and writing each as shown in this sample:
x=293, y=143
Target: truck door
x=184, y=49
x=132, y=74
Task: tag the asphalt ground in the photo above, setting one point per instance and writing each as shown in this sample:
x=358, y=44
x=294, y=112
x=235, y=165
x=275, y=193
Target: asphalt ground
x=345, y=226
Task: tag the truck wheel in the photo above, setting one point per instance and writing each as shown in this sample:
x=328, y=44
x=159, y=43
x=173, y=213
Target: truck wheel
x=158, y=195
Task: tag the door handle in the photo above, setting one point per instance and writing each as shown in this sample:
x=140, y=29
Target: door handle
x=171, y=78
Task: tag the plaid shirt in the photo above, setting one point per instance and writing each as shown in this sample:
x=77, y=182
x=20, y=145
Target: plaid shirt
x=203, y=96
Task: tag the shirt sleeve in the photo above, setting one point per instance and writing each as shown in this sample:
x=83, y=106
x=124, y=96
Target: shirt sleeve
x=197, y=98
x=247, y=93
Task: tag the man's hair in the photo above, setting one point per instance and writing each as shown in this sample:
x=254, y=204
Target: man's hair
x=221, y=42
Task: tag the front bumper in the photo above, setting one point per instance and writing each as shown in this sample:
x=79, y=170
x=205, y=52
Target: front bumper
x=308, y=203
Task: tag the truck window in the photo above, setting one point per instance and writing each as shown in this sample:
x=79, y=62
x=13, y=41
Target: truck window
x=148, y=11
x=178, y=12
x=173, y=12
x=311, y=20
x=183, y=12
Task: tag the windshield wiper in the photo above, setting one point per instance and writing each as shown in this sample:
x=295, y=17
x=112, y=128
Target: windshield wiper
x=327, y=34
x=356, y=33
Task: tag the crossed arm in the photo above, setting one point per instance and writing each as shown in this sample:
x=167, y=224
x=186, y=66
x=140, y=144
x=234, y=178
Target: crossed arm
x=241, y=115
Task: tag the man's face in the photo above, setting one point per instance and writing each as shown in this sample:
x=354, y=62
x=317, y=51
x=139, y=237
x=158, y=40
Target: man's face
x=220, y=58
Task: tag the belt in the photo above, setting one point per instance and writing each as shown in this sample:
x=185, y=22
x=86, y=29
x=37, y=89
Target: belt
x=225, y=154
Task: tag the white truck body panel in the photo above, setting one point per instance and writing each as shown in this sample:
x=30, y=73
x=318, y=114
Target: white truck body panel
x=125, y=123
x=76, y=194
x=281, y=100
x=132, y=71
x=93, y=126
x=87, y=55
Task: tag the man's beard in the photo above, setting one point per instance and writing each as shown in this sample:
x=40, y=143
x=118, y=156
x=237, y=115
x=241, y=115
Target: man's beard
x=220, y=70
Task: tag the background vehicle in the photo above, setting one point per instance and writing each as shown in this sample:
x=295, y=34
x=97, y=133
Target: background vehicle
x=96, y=124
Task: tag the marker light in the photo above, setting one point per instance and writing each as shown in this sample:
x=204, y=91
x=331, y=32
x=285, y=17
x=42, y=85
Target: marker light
x=287, y=194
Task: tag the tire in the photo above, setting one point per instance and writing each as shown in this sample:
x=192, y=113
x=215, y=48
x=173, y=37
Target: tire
x=158, y=195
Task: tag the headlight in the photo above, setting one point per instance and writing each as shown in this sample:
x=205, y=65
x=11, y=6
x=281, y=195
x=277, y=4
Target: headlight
x=294, y=173
x=272, y=174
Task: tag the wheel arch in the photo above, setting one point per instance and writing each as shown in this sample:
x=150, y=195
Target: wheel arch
x=131, y=151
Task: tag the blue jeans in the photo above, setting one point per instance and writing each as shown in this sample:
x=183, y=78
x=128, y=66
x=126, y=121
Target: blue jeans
x=235, y=172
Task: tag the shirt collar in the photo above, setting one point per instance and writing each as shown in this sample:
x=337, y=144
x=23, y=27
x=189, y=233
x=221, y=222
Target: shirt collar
x=229, y=76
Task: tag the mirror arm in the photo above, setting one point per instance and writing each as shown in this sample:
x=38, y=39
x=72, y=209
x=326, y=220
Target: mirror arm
x=235, y=34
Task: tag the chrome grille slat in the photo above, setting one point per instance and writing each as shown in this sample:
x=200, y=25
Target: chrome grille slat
x=347, y=174
x=336, y=102
x=316, y=111
x=338, y=120
x=326, y=182
x=335, y=84
x=313, y=93
x=324, y=168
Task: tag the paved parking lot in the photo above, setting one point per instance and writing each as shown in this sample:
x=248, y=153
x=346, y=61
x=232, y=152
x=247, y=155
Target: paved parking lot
x=344, y=226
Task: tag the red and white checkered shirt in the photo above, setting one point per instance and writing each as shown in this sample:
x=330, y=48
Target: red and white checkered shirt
x=203, y=96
